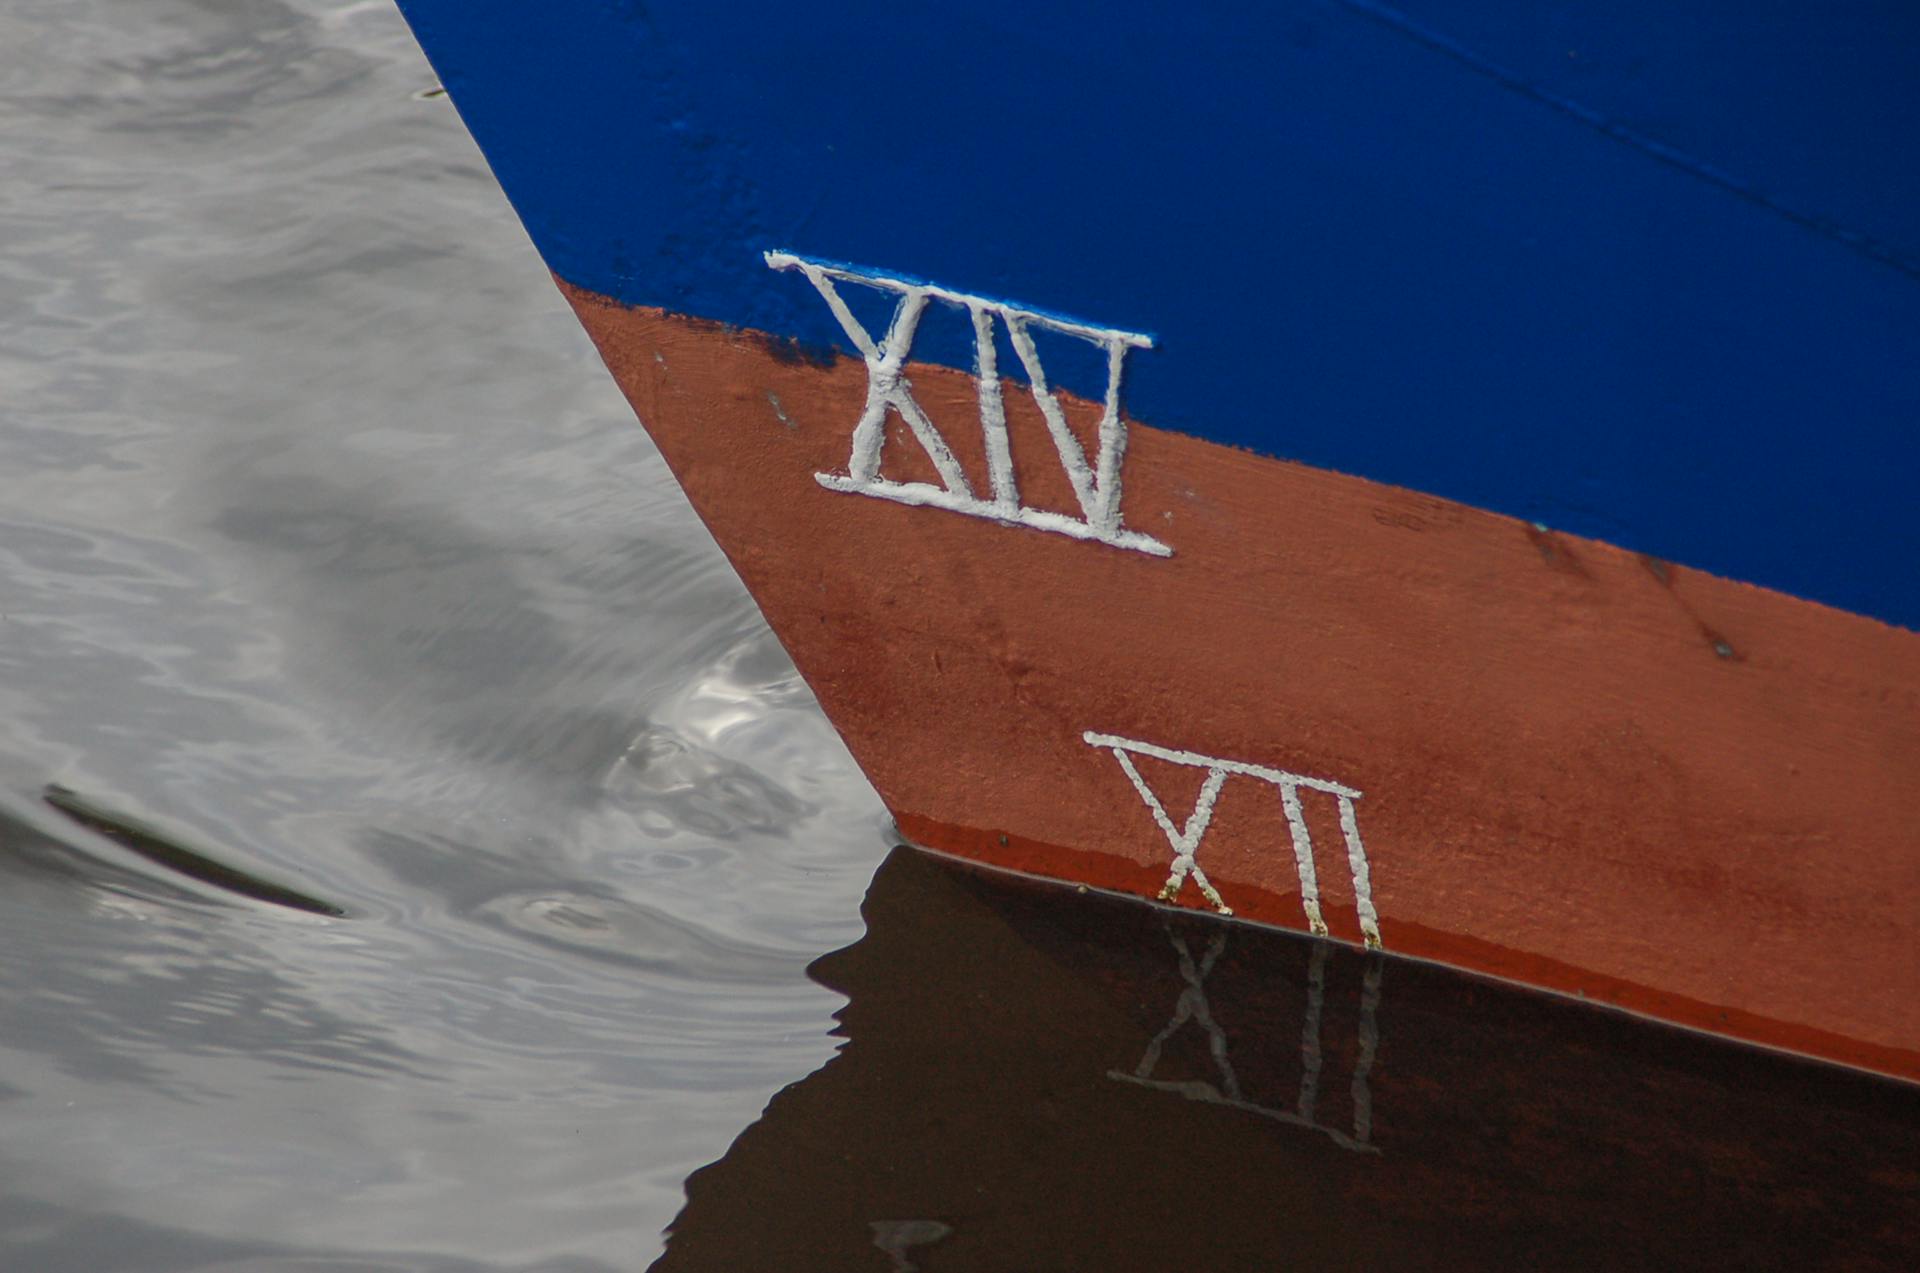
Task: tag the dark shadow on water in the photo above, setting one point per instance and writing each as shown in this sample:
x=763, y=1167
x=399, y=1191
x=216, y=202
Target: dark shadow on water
x=28, y=853
x=120, y=977
x=1033, y=1080
x=167, y=851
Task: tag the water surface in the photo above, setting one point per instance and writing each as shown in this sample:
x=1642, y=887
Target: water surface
x=330, y=557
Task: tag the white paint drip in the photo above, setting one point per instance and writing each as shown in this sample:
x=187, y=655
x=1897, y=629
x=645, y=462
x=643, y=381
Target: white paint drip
x=1303, y=858
x=993, y=414
x=1362, y=876
x=1096, y=486
x=1186, y=842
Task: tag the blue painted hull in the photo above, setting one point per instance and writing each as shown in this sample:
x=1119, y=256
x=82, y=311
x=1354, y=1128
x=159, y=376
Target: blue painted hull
x=1643, y=272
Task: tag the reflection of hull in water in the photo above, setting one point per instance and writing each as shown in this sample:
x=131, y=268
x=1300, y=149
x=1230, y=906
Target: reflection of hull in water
x=1027, y=1085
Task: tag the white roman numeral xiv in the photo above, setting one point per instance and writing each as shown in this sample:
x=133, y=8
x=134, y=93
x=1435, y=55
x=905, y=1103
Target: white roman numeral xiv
x=1096, y=484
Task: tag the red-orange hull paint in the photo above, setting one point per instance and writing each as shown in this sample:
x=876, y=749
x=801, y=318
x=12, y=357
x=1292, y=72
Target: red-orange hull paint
x=1582, y=769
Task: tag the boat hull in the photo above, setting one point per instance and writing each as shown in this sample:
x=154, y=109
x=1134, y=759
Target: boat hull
x=1641, y=274
x=1641, y=270
x=1329, y=704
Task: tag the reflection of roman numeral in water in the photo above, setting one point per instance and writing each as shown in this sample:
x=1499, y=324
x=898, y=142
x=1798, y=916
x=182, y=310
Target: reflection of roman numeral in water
x=1096, y=485
x=1185, y=841
x=1192, y=1006
x=896, y=1237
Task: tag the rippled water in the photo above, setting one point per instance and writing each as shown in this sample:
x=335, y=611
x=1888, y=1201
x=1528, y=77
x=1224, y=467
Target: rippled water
x=329, y=553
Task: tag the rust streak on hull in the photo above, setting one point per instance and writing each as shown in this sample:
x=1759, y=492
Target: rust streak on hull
x=1564, y=783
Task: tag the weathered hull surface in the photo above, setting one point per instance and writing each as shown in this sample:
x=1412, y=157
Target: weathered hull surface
x=1401, y=720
